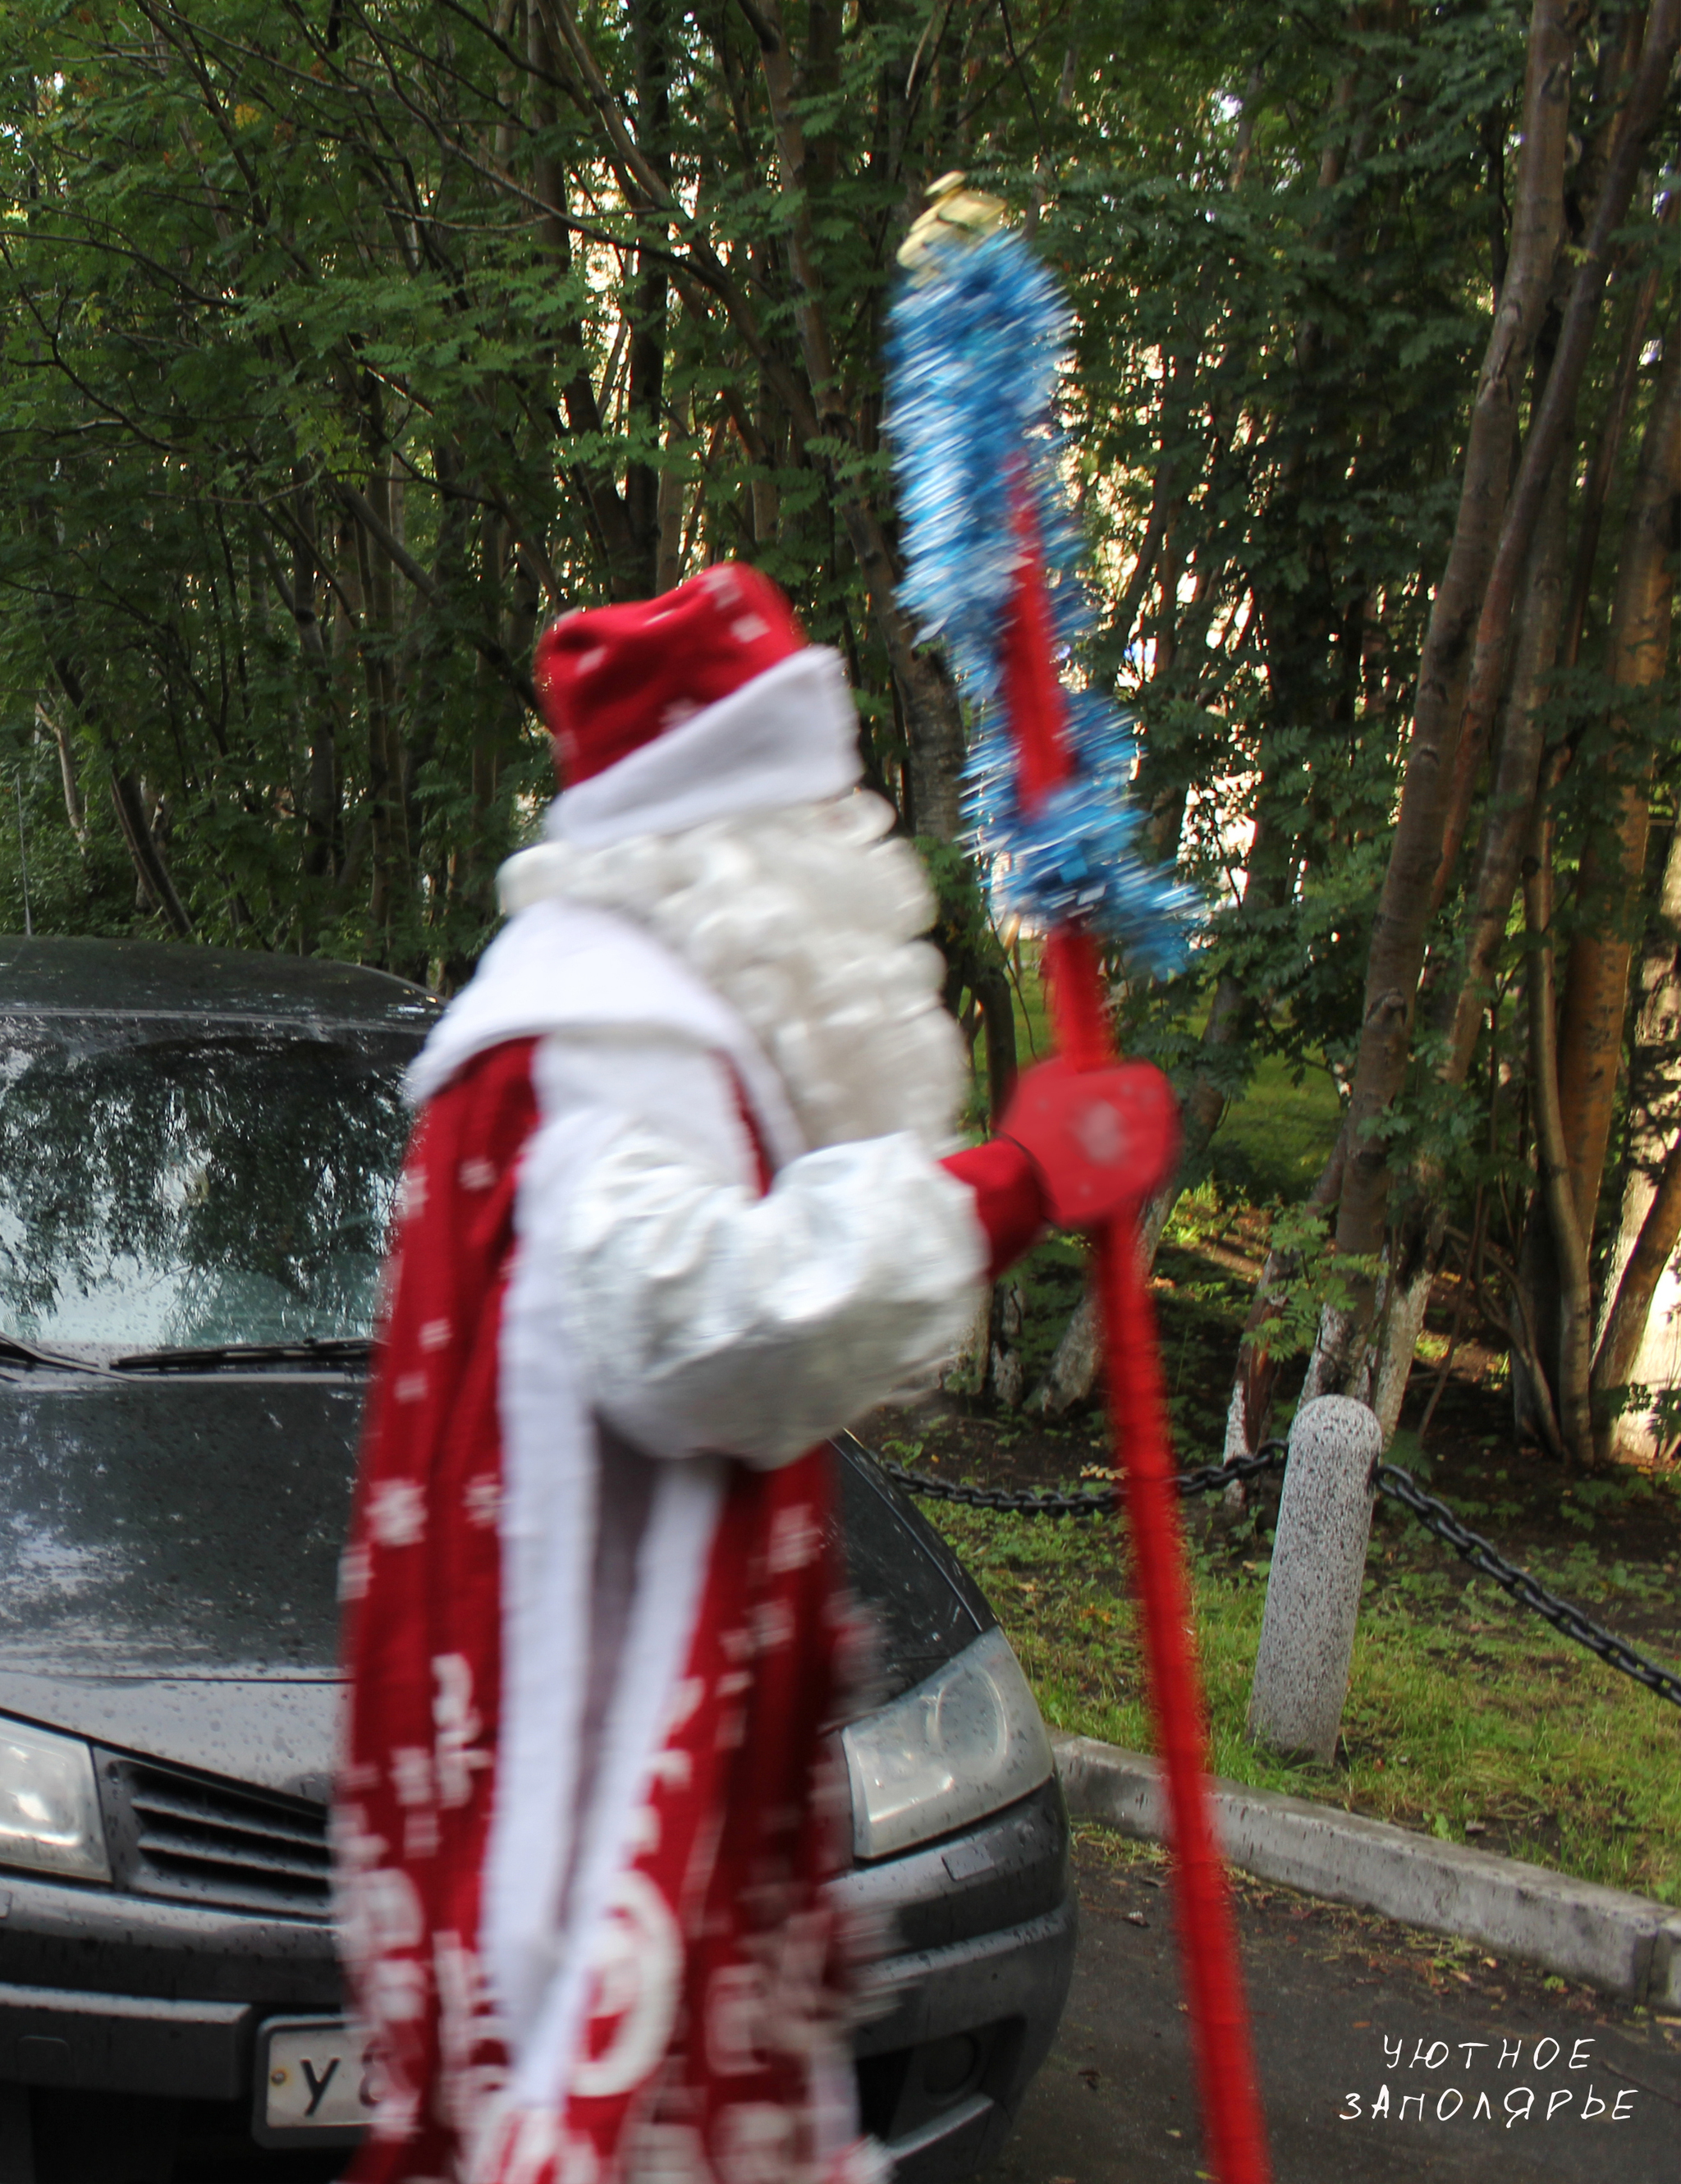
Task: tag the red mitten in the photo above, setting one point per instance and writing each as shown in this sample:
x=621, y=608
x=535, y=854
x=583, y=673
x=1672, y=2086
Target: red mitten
x=1009, y=1199
x=1099, y=1140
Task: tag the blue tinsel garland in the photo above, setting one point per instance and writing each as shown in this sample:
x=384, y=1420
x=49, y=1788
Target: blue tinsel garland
x=973, y=343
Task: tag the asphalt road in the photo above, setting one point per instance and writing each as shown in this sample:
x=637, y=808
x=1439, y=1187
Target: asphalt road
x=1344, y=2004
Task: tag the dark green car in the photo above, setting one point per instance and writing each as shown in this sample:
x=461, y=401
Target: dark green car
x=198, y=1150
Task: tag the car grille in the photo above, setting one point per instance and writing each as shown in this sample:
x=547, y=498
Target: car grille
x=202, y=1842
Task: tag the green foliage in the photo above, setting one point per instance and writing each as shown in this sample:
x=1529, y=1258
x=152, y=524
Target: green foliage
x=1464, y=1718
x=1276, y=379
x=340, y=348
x=258, y=258
x=1318, y=1280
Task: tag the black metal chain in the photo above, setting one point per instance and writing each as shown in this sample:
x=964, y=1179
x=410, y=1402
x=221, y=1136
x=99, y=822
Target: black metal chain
x=1389, y=1479
x=1040, y=1501
x=1439, y=1520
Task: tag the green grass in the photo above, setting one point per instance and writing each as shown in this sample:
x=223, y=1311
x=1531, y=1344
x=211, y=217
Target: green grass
x=1465, y=1718
x=1275, y=1140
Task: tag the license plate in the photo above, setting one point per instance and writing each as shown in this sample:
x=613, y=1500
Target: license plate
x=312, y=2081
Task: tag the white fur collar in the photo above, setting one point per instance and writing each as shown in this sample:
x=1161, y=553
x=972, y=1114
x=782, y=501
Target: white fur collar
x=568, y=966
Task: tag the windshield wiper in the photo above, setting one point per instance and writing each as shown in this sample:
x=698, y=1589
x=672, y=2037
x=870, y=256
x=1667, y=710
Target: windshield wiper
x=13, y=1353
x=329, y=1350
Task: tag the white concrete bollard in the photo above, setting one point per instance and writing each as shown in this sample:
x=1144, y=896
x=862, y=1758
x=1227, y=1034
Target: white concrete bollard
x=1301, y=1670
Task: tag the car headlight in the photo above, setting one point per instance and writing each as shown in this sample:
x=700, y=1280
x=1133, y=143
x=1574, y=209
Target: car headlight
x=49, y=1804
x=964, y=1743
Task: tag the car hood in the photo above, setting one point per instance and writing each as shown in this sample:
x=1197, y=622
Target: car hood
x=279, y=1737
x=169, y=1553
x=178, y=1526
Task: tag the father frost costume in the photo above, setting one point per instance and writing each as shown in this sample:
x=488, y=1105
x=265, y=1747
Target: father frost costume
x=675, y=1210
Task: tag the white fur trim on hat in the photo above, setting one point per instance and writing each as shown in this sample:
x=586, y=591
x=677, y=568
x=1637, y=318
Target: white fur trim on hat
x=790, y=736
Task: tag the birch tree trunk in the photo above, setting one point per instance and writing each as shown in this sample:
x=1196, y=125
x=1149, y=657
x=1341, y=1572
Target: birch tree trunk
x=1639, y=1333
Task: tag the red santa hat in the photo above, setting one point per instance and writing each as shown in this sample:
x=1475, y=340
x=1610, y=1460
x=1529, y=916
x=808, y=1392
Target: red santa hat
x=703, y=703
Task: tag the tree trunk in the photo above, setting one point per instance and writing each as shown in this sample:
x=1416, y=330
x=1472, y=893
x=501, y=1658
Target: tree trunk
x=1649, y=1261
x=67, y=775
x=1456, y=1012
x=990, y=985
x=1568, y=1230
x=1409, y=1278
x=649, y=308
x=1398, y=930
x=387, y=889
x=933, y=720
x=1074, y=1364
x=1616, y=126
x=1516, y=776
x=1613, y=861
x=1460, y=673
x=1249, y=1411
x=1586, y=1047
x=1607, y=449
x=546, y=42
x=145, y=852
x=1631, y=1347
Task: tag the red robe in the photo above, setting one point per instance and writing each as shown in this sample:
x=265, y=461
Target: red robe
x=589, y=1796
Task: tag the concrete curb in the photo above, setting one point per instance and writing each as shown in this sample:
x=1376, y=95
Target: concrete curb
x=1626, y=1944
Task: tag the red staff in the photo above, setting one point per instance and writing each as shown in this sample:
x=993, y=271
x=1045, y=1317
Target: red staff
x=1015, y=666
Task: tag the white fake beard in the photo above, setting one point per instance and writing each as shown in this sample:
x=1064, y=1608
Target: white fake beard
x=805, y=920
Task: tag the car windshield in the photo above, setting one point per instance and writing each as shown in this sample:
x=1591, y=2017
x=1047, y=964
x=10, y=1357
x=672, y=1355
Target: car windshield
x=168, y=1184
